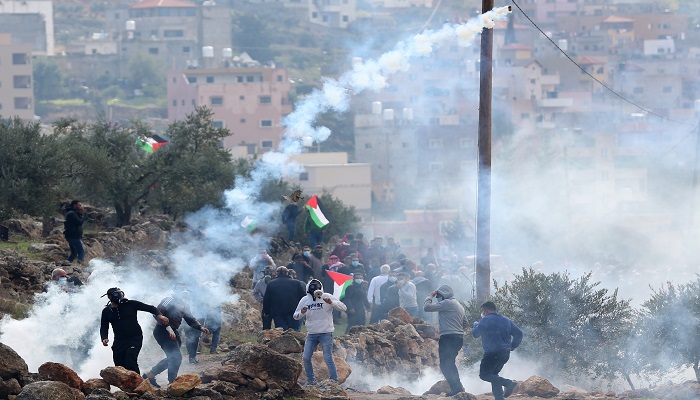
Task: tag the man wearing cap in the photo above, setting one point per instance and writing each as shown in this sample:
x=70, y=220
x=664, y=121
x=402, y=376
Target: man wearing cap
x=281, y=298
x=128, y=336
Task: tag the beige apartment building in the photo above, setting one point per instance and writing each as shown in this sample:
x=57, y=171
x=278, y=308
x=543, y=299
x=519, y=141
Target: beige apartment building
x=331, y=172
x=37, y=32
x=250, y=101
x=16, y=93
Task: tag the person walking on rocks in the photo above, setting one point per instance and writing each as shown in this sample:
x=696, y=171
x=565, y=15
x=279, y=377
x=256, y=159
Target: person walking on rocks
x=73, y=231
x=128, y=336
x=499, y=336
x=452, y=323
x=175, y=308
x=318, y=307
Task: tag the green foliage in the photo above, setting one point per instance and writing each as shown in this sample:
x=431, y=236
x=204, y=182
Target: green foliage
x=48, y=79
x=147, y=74
x=570, y=325
x=668, y=328
x=30, y=170
x=253, y=36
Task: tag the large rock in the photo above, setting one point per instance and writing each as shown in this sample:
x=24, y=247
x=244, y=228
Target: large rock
x=122, y=378
x=183, y=384
x=536, y=386
x=45, y=390
x=286, y=344
x=145, y=387
x=51, y=371
x=9, y=387
x=100, y=394
x=439, y=387
x=401, y=314
x=393, y=390
x=12, y=365
x=91, y=384
x=225, y=373
x=258, y=361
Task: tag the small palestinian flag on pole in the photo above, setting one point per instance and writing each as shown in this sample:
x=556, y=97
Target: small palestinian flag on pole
x=315, y=212
x=150, y=145
x=340, y=283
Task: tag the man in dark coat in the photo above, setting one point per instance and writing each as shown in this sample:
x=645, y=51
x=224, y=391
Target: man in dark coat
x=289, y=219
x=356, y=301
x=281, y=298
x=73, y=230
x=304, y=271
x=389, y=294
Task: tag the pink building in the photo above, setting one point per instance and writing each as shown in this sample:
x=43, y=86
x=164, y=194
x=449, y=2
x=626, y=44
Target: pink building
x=251, y=102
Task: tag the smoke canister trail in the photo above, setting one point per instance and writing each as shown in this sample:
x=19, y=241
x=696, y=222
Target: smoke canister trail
x=373, y=74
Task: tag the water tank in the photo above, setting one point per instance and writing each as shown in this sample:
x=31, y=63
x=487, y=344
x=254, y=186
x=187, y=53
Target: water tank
x=388, y=114
x=130, y=25
x=207, y=52
x=408, y=114
x=227, y=52
x=563, y=44
x=307, y=141
x=376, y=107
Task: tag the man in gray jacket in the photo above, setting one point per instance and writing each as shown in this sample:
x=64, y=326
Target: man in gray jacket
x=452, y=322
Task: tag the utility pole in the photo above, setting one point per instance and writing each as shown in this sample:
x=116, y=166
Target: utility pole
x=483, y=215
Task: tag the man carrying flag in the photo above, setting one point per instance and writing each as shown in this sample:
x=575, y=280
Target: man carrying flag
x=318, y=308
x=316, y=221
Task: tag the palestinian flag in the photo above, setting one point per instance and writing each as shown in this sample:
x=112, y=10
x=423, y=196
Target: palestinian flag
x=340, y=283
x=149, y=144
x=248, y=223
x=315, y=212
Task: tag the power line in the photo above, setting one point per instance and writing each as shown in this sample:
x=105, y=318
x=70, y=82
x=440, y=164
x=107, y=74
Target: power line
x=623, y=98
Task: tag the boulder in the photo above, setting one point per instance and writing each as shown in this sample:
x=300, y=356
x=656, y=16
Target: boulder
x=12, y=365
x=100, y=394
x=183, y=384
x=463, y=396
x=536, y=386
x=439, y=387
x=45, y=390
x=286, y=344
x=51, y=371
x=330, y=388
x=258, y=361
x=95, y=383
x=122, y=378
x=145, y=387
x=9, y=387
x=401, y=314
x=393, y=390
x=206, y=391
x=225, y=373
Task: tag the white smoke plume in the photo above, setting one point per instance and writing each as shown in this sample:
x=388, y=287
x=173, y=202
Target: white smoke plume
x=62, y=320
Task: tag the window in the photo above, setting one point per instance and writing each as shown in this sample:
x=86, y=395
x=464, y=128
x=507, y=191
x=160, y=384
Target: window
x=174, y=80
x=525, y=116
x=465, y=143
x=314, y=15
x=266, y=144
x=279, y=78
x=266, y=123
x=174, y=103
x=435, y=167
x=304, y=176
x=368, y=145
x=404, y=145
x=210, y=79
x=325, y=18
x=241, y=98
x=192, y=79
x=186, y=49
x=217, y=100
x=153, y=50
x=182, y=102
x=19, y=59
x=242, y=120
x=345, y=18
x=217, y=124
x=154, y=32
x=23, y=103
x=173, y=33
x=435, y=143
x=194, y=103
x=239, y=79
x=668, y=89
x=250, y=78
x=265, y=99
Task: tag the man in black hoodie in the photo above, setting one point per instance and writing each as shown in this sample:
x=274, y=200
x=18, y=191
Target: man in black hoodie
x=128, y=337
x=73, y=230
x=281, y=298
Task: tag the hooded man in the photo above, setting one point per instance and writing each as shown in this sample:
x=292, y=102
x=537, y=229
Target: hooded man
x=452, y=322
x=73, y=230
x=499, y=336
x=318, y=308
x=128, y=336
x=279, y=299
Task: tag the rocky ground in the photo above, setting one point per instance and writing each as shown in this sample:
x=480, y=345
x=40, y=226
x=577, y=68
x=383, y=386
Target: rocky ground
x=267, y=365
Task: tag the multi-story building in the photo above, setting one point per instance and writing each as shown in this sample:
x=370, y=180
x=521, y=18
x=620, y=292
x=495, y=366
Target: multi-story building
x=30, y=22
x=250, y=101
x=331, y=172
x=16, y=94
x=333, y=13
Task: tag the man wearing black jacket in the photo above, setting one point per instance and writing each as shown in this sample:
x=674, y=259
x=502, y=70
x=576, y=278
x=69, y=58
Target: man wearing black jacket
x=175, y=308
x=128, y=337
x=356, y=301
x=281, y=298
x=73, y=230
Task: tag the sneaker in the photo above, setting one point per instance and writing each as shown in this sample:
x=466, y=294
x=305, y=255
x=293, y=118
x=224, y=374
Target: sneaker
x=509, y=388
x=152, y=381
x=308, y=385
x=194, y=361
x=454, y=392
x=213, y=352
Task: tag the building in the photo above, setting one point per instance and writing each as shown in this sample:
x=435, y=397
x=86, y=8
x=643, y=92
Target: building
x=16, y=96
x=32, y=23
x=249, y=101
x=331, y=172
x=333, y=13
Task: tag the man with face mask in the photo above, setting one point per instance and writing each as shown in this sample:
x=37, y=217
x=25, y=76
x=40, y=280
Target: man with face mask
x=60, y=277
x=499, y=336
x=315, y=259
x=318, y=308
x=452, y=322
x=389, y=293
x=128, y=336
x=356, y=301
x=303, y=271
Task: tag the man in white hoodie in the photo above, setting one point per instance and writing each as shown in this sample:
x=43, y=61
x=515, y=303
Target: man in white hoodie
x=318, y=307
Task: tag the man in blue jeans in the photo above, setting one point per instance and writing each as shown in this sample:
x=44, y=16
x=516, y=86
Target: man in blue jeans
x=318, y=307
x=499, y=336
